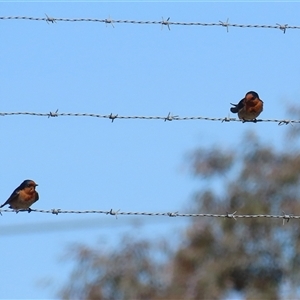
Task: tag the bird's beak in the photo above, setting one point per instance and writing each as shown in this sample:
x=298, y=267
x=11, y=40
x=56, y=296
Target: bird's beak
x=36, y=184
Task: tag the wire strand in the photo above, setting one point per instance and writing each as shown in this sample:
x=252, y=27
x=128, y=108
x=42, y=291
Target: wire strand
x=169, y=117
x=163, y=22
x=284, y=216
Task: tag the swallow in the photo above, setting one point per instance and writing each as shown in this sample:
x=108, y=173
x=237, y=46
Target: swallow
x=23, y=196
x=249, y=108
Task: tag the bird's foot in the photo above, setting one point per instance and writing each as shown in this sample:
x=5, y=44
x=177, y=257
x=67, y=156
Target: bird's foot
x=17, y=210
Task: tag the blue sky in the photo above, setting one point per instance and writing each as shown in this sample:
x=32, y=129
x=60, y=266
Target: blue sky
x=132, y=165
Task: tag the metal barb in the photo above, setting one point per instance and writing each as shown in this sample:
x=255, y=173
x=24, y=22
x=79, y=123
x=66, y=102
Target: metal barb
x=50, y=19
x=113, y=117
x=170, y=117
x=285, y=217
x=114, y=213
x=53, y=114
x=284, y=122
x=231, y=216
x=225, y=24
x=226, y=119
x=55, y=211
x=170, y=214
x=165, y=22
x=109, y=21
x=283, y=27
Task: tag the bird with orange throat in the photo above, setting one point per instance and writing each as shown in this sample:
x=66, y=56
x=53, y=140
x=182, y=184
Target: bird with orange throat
x=23, y=196
x=249, y=108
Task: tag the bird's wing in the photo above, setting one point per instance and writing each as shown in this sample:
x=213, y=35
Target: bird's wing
x=14, y=194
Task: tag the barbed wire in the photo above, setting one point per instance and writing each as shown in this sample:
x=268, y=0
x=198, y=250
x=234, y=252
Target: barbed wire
x=169, y=117
x=162, y=22
x=234, y=215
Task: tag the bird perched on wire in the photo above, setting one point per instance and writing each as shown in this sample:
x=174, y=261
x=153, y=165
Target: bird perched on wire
x=249, y=108
x=23, y=196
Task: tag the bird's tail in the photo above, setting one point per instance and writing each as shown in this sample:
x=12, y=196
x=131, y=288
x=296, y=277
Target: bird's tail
x=4, y=204
x=234, y=109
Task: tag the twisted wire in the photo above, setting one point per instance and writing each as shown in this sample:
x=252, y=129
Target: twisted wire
x=163, y=22
x=169, y=117
x=283, y=216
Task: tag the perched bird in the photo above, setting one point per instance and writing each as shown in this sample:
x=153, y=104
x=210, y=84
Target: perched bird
x=23, y=196
x=249, y=107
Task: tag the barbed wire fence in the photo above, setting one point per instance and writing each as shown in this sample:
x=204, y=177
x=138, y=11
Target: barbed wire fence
x=163, y=22
x=168, y=117
x=116, y=213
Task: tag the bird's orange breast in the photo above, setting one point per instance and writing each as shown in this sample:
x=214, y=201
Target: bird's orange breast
x=255, y=106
